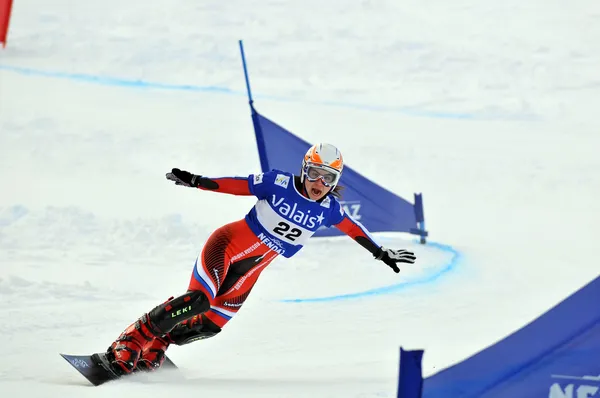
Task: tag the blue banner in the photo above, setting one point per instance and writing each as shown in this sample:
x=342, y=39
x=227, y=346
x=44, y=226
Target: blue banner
x=555, y=356
x=372, y=205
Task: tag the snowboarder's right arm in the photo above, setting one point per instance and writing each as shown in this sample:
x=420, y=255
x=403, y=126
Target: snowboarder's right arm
x=229, y=185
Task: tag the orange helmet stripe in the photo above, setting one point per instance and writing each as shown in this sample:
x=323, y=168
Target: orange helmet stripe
x=336, y=164
x=316, y=158
x=313, y=156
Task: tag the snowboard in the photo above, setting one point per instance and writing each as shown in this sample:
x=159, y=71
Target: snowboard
x=96, y=368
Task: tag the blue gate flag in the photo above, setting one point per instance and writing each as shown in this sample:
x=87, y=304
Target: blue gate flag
x=372, y=205
x=555, y=356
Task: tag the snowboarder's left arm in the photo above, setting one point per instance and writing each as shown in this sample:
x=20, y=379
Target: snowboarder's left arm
x=361, y=235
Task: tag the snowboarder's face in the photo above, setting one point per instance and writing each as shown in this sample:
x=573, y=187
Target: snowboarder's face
x=316, y=190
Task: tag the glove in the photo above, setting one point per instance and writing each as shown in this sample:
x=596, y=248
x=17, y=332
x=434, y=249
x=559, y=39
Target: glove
x=391, y=257
x=185, y=178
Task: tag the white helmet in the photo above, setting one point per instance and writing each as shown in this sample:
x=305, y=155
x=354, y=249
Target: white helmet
x=325, y=162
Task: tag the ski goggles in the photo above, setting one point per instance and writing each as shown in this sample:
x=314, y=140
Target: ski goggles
x=327, y=176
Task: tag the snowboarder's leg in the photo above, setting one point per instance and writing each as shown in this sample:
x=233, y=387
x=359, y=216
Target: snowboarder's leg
x=224, y=273
x=235, y=289
x=125, y=352
x=244, y=257
x=148, y=348
x=197, y=328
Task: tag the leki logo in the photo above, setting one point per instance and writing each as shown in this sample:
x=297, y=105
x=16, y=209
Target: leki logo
x=181, y=311
x=577, y=387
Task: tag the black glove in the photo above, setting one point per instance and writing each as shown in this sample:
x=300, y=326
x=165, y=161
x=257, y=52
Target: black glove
x=185, y=178
x=391, y=257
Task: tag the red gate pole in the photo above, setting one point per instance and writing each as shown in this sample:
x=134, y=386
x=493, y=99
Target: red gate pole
x=5, y=8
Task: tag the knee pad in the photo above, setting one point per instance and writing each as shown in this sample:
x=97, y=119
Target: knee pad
x=197, y=328
x=165, y=316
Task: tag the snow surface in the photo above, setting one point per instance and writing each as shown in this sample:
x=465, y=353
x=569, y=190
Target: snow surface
x=488, y=108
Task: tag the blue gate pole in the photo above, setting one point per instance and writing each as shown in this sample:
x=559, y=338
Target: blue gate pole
x=260, y=140
x=250, y=100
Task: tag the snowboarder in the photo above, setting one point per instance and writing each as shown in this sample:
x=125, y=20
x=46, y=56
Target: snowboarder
x=288, y=212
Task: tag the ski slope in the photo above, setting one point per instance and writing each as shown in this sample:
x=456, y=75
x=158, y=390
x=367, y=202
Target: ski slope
x=488, y=108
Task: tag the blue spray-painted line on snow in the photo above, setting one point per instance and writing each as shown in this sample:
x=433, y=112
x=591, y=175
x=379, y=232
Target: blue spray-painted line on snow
x=143, y=84
x=450, y=266
x=115, y=81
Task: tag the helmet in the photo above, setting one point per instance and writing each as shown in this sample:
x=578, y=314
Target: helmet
x=325, y=162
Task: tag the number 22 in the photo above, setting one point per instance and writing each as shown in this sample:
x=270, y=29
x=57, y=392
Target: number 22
x=283, y=227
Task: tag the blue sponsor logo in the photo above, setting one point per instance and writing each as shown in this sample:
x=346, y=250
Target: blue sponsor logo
x=291, y=212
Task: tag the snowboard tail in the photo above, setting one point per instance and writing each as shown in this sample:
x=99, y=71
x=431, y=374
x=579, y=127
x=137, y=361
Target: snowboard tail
x=96, y=368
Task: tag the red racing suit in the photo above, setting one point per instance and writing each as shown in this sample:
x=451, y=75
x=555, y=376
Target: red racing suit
x=281, y=221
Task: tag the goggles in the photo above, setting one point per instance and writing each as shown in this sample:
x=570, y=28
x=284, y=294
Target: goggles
x=327, y=176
